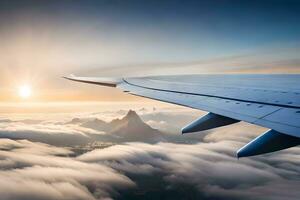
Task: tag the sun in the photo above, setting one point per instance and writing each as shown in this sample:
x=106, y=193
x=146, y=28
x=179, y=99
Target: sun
x=25, y=91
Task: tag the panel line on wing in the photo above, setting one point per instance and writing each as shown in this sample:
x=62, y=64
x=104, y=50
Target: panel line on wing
x=208, y=95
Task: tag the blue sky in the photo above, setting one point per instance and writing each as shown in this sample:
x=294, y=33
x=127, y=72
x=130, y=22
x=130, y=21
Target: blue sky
x=164, y=30
x=128, y=38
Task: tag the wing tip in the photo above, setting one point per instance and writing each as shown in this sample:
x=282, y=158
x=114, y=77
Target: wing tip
x=110, y=82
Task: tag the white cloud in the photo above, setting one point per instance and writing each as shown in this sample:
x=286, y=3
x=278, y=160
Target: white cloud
x=210, y=167
x=38, y=171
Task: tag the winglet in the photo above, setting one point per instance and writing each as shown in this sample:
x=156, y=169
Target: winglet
x=110, y=82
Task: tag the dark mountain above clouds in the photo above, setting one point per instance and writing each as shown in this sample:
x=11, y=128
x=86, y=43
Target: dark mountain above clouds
x=129, y=128
x=132, y=128
x=131, y=118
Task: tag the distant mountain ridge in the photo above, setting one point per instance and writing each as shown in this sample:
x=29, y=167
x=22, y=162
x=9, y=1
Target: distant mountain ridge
x=129, y=128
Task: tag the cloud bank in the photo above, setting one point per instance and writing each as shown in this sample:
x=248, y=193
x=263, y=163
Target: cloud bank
x=39, y=171
x=115, y=126
x=31, y=170
x=205, y=168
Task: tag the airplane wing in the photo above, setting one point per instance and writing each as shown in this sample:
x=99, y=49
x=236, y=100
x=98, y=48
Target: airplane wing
x=271, y=101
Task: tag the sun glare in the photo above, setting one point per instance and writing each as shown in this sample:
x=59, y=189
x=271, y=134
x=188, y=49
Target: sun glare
x=25, y=91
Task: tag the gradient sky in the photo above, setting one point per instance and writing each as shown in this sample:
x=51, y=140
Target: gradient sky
x=44, y=40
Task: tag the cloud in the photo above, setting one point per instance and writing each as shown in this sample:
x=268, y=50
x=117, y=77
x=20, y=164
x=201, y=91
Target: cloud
x=39, y=171
x=205, y=169
x=242, y=132
x=210, y=168
x=51, y=132
x=170, y=121
x=100, y=126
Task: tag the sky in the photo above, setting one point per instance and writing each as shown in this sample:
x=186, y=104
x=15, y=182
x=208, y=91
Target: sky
x=41, y=41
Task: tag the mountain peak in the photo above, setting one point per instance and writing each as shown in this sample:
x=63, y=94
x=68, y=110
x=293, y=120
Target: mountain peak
x=132, y=128
x=132, y=113
x=132, y=116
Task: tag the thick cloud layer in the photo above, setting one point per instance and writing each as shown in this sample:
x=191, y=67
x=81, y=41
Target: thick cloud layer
x=39, y=171
x=137, y=170
x=207, y=168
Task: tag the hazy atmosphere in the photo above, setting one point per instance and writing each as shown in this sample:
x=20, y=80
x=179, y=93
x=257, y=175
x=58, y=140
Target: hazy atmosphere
x=66, y=140
x=43, y=41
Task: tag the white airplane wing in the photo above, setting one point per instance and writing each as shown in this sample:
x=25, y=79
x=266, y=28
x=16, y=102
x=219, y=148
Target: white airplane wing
x=271, y=101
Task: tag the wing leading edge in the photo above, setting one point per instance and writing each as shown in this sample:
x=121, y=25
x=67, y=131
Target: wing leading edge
x=271, y=101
